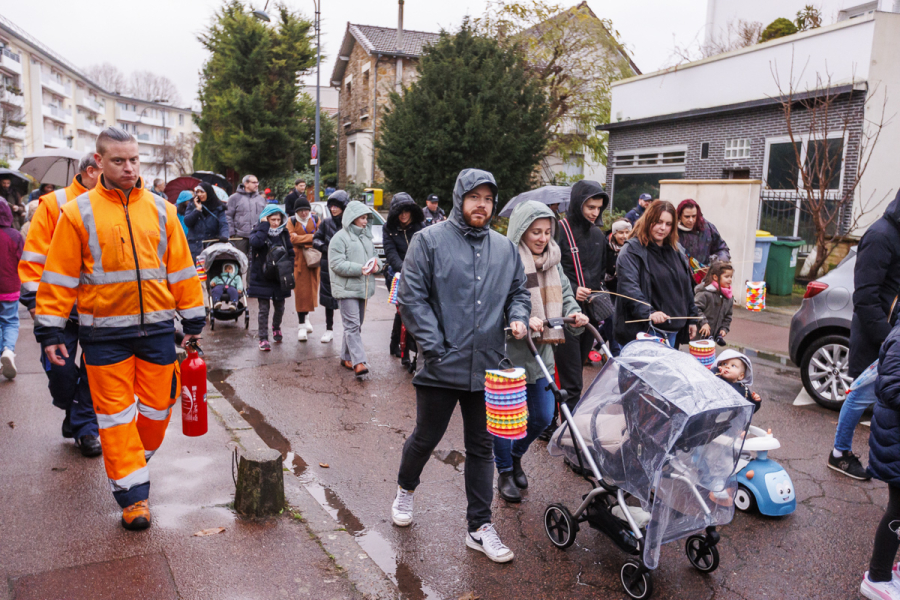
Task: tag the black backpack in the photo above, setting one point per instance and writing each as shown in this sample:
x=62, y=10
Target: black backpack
x=278, y=265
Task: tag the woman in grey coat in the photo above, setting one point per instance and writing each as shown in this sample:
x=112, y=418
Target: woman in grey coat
x=532, y=227
x=352, y=264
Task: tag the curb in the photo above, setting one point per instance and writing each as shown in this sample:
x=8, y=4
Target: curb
x=775, y=357
x=366, y=576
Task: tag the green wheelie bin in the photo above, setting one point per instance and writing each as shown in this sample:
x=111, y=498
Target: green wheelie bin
x=781, y=265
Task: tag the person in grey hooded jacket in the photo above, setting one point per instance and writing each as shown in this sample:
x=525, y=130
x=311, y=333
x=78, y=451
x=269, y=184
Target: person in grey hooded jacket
x=243, y=210
x=462, y=285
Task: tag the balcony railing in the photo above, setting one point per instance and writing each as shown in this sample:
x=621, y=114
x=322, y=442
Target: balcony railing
x=11, y=61
x=58, y=114
x=10, y=54
x=53, y=84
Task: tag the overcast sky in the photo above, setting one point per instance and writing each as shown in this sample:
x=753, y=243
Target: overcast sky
x=161, y=36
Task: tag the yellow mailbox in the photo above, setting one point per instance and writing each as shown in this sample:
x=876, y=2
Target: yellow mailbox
x=374, y=197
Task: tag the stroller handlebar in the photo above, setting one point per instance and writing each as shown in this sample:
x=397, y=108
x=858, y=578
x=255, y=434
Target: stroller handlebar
x=558, y=323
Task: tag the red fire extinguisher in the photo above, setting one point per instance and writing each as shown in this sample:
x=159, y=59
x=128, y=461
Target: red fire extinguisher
x=193, y=392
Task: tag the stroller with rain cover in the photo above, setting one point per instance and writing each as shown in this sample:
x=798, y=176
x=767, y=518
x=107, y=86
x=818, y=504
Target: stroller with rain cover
x=214, y=258
x=658, y=438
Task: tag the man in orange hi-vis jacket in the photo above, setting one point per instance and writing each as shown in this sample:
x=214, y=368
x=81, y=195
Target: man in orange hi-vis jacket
x=68, y=383
x=121, y=252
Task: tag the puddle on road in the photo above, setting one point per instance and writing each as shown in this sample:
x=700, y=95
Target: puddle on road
x=375, y=545
x=454, y=458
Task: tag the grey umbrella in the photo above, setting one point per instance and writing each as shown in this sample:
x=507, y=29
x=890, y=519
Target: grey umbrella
x=549, y=194
x=53, y=165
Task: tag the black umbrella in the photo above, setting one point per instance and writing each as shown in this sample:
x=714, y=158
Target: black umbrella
x=214, y=179
x=549, y=194
x=15, y=175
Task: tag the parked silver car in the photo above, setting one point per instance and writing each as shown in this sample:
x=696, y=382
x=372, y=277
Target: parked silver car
x=820, y=334
x=322, y=212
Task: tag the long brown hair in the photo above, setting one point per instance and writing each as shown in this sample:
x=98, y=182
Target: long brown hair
x=651, y=218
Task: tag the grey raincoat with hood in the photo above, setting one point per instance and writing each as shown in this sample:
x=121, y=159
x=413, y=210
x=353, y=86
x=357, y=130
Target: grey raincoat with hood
x=461, y=286
x=519, y=221
x=243, y=210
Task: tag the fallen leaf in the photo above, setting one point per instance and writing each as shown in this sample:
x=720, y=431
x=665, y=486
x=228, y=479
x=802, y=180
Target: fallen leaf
x=324, y=465
x=206, y=532
x=60, y=469
x=469, y=596
x=12, y=425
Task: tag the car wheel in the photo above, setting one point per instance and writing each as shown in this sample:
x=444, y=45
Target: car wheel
x=823, y=370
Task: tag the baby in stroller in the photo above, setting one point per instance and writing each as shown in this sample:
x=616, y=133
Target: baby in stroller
x=229, y=282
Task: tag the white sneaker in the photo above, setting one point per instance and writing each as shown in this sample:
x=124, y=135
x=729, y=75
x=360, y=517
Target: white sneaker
x=8, y=364
x=402, y=508
x=301, y=334
x=887, y=590
x=309, y=326
x=329, y=335
x=486, y=540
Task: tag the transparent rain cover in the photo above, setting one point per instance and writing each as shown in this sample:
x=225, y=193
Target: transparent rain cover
x=667, y=431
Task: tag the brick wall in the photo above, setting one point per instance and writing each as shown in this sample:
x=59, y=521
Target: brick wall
x=758, y=124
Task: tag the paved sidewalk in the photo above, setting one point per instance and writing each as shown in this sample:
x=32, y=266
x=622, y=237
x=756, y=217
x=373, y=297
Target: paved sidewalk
x=60, y=536
x=765, y=332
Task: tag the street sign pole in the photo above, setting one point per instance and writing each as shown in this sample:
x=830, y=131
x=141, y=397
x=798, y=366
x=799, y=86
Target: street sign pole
x=318, y=99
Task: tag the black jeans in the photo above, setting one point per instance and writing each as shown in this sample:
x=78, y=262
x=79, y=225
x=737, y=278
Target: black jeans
x=329, y=319
x=301, y=317
x=570, y=359
x=886, y=541
x=395, y=332
x=434, y=407
x=263, y=319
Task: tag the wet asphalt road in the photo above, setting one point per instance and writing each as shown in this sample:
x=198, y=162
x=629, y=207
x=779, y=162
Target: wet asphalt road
x=307, y=406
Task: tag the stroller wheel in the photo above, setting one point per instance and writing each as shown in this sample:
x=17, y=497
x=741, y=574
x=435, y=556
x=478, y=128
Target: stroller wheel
x=212, y=323
x=636, y=581
x=703, y=557
x=743, y=499
x=247, y=320
x=560, y=526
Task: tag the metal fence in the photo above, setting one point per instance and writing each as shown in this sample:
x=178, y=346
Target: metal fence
x=784, y=214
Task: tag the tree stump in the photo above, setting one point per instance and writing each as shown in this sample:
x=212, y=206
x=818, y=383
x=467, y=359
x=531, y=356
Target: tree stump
x=260, y=483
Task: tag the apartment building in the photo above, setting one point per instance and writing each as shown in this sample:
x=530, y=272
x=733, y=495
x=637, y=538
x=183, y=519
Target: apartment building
x=46, y=102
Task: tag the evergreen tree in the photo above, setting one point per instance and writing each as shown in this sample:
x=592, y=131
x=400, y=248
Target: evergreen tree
x=253, y=119
x=473, y=105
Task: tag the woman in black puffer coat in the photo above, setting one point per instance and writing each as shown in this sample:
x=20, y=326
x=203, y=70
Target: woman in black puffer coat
x=884, y=463
x=205, y=219
x=405, y=218
x=337, y=203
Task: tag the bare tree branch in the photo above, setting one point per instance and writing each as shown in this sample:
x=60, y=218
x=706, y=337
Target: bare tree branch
x=150, y=86
x=108, y=77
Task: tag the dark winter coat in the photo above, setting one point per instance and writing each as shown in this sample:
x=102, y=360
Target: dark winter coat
x=876, y=279
x=634, y=214
x=395, y=237
x=704, y=245
x=208, y=224
x=289, y=201
x=715, y=308
x=14, y=198
x=884, y=439
x=635, y=282
x=612, y=255
x=461, y=287
x=590, y=240
x=260, y=285
x=321, y=240
x=11, y=245
x=433, y=218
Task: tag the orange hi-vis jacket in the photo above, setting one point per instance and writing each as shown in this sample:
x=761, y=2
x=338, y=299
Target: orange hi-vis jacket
x=125, y=258
x=40, y=232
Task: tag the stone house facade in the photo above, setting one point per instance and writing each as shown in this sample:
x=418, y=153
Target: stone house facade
x=372, y=63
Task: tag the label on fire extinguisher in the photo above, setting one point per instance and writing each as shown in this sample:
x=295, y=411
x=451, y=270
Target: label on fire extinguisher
x=189, y=405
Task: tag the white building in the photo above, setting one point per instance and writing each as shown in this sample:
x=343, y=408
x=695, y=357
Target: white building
x=63, y=108
x=723, y=15
x=722, y=117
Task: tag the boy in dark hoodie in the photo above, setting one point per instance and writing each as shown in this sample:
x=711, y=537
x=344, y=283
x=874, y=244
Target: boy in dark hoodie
x=735, y=369
x=585, y=266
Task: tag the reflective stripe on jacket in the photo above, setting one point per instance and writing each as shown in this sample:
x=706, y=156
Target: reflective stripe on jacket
x=43, y=224
x=126, y=260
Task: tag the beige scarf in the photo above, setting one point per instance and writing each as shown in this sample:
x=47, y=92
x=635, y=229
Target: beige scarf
x=542, y=280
